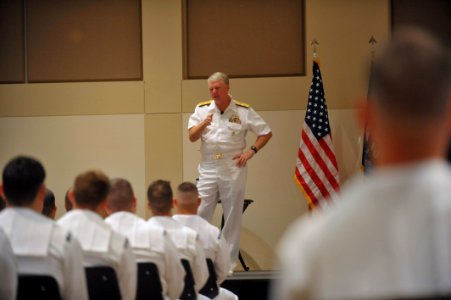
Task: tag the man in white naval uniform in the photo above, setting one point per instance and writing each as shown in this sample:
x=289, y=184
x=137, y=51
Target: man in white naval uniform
x=150, y=244
x=216, y=248
x=222, y=125
x=390, y=235
x=41, y=247
x=102, y=246
x=186, y=240
x=8, y=269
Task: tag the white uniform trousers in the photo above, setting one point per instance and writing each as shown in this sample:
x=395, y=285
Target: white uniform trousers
x=221, y=179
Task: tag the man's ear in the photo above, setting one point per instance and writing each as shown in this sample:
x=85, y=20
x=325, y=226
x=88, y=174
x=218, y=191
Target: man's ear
x=134, y=203
x=103, y=208
x=41, y=192
x=72, y=196
x=199, y=200
x=174, y=203
x=2, y=194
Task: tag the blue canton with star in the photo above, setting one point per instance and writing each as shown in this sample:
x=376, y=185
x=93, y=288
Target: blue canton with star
x=316, y=116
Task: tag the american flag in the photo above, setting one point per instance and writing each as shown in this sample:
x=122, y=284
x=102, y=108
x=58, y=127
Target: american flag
x=316, y=166
x=367, y=151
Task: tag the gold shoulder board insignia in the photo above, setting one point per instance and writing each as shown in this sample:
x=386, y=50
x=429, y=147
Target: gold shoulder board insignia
x=204, y=103
x=242, y=104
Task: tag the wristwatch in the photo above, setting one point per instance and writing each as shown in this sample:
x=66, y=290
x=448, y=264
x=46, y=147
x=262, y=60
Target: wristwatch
x=253, y=148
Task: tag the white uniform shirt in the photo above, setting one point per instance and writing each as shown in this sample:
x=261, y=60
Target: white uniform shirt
x=42, y=247
x=8, y=269
x=215, y=245
x=102, y=246
x=188, y=244
x=152, y=244
x=227, y=132
x=390, y=236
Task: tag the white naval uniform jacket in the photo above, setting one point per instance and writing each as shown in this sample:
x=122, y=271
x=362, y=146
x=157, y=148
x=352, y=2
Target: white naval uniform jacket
x=227, y=132
x=8, y=269
x=188, y=244
x=389, y=236
x=215, y=246
x=42, y=247
x=102, y=246
x=152, y=244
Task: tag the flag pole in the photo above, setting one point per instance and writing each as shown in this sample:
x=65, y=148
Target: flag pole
x=367, y=155
x=373, y=43
x=315, y=45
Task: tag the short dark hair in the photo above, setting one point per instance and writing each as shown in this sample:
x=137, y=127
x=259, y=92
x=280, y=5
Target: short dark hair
x=121, y=195
x=22, y=178
x=187, y=187
x=49, y=203
x=159, y=195
x=91, y=188
x=411, y=76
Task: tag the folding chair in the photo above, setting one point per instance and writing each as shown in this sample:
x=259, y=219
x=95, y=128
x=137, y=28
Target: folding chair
x=102, y=283
x=210, y=288
x=189, y=290
x=37, y=287
x=149, y=284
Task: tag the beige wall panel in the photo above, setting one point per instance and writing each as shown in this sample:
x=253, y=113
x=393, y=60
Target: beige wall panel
x=162, y=54
x=343, y=29
x=70, y=145
x=81, y=98
x=270, y=183
x=164, y=148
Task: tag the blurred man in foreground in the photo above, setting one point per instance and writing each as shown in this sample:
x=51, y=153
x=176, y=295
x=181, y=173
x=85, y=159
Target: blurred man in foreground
x=41, y=246
x=390, y=235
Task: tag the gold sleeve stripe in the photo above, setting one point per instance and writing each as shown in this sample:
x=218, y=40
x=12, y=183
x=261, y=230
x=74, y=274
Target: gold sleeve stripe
x=204, y=103
x=242, y=104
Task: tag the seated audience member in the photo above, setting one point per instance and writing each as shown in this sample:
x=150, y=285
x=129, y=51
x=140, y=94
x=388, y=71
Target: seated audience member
x=49, y=208
x=2, y=203
x=8, y=267
x=67, y=201
x=101, y=245
x=150, y=244
x=216, y=248
x=186, y=240
x=41, y=246
x=390, y=235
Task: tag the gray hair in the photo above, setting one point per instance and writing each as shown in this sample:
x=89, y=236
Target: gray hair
x=218, y=76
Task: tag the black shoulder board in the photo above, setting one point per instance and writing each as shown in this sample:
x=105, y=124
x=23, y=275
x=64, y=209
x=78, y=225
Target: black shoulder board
x=68, y=237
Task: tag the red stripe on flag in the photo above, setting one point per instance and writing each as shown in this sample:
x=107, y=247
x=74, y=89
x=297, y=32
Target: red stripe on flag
x=319, y=160
x=328, y=152
x=312, y=199
x=313, y=174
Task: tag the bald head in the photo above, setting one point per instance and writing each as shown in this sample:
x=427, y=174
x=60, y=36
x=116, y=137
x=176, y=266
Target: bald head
x=121, y=196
